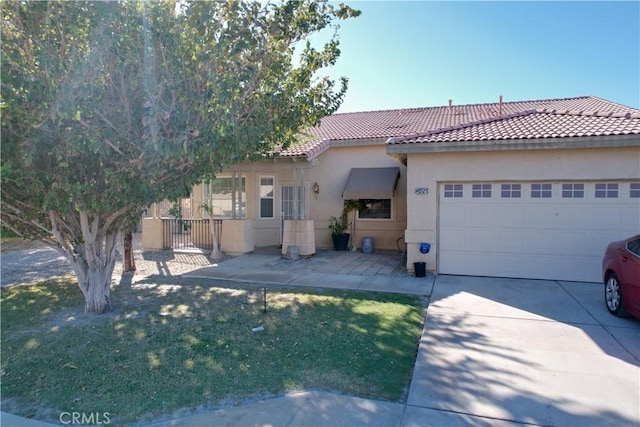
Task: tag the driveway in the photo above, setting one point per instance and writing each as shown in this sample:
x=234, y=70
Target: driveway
x=509, y=352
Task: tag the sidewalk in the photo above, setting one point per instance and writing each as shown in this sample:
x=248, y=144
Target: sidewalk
x=300, y=409
x=309, y=408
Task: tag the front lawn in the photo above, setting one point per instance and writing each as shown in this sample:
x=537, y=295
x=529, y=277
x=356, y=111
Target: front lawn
x=170, y=348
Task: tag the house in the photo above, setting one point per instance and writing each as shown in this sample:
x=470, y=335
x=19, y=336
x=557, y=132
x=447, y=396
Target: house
x=531, y=189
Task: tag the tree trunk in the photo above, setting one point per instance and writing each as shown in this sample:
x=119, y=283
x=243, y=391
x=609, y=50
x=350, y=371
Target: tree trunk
x=98, y=292
x=93, y=261
x=94, y=280
x=128, y=262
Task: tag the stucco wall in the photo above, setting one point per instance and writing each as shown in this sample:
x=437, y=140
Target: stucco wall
x=428, y=170
x=331, y=171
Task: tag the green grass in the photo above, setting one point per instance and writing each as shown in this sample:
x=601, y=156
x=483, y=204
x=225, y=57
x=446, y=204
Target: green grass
x=168, y=348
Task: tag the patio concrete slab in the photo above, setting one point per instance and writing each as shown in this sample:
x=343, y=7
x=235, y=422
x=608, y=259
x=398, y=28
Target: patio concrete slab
x=521, y=351
x=330, y=269
x=328, y=280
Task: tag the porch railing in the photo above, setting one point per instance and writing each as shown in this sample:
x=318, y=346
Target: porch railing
x=189, y=234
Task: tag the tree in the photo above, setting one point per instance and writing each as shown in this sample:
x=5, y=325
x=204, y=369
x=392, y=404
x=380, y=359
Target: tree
x=110, y=106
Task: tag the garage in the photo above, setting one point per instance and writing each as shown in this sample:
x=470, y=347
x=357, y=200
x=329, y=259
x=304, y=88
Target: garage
x=537, y=229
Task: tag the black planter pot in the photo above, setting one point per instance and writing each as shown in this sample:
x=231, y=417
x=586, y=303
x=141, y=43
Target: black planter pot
x=340, y=241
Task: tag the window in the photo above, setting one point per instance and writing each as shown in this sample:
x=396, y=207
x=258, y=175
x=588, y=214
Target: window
x=453, y=190
x=375, y=209
x=634, y=190
x=572, y=191
x=634, y=246
x=226, y=197
x=609, y=191
x=266, y=197
x=293, y=201
x=481, y=190
x=540, y=191
x=513, y=191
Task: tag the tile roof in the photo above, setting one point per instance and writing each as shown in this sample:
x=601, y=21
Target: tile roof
x=533, y=124
x=507, y=120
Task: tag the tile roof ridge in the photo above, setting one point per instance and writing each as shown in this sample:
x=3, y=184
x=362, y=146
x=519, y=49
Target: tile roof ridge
x=431, y=107
x=318, y=148
x=486, y=120
x=611, y=102
x=589, y=113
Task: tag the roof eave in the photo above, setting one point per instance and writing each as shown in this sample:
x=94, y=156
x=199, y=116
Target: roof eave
x=397, y=149
x=356, y=142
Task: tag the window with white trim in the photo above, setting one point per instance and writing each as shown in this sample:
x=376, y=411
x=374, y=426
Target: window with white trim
x=634, y=190
x=226, y=197
x=481, y=191
x=266, y=188
x=540, y=191
x=607, y=191
x=572, y=191
x=453, y=190
x=511, y=191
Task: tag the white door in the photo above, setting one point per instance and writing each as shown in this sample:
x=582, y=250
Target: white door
x=538, y=230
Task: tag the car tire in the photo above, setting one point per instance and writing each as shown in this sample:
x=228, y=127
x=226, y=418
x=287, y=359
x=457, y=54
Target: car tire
x=613, y=296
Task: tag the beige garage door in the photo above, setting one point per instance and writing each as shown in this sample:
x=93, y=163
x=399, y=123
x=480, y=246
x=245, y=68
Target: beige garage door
x=538, y=230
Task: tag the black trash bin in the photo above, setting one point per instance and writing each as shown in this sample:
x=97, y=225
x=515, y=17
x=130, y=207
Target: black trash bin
x=420, y=268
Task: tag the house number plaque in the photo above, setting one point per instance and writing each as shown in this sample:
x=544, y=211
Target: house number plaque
x=421, y=190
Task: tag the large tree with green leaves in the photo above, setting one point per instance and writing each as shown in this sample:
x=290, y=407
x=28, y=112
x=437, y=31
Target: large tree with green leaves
x=110, y=106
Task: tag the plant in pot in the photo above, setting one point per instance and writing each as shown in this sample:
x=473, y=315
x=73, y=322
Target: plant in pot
x=339, y=225
x=176, y=212
x=340, y=239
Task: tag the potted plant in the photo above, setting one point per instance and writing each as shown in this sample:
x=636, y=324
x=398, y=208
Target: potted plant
x=176, y=212
x=340, y=239
x=339, y=225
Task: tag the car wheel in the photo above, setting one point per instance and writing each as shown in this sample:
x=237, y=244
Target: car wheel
x=613, y=296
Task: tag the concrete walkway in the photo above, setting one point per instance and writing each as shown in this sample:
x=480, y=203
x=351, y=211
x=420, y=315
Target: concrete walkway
x=379, y=271
x=494, y=352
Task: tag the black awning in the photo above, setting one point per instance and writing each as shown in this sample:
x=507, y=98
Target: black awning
x=371, y=183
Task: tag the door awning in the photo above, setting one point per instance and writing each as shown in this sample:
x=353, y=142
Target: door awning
x=371, y=183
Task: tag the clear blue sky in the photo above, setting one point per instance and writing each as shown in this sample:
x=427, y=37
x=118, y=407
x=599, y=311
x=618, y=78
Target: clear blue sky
x=423, y=53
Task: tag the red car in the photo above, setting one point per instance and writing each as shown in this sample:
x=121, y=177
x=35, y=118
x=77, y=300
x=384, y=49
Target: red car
x=621, y=274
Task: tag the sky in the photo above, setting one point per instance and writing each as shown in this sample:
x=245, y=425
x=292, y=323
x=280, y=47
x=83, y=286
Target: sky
x=405, y=54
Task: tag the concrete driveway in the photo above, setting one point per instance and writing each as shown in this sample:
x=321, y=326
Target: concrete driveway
x=508, y=352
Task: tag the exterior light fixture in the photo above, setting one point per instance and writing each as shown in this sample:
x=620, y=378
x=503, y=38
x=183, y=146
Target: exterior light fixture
x=316, y=189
